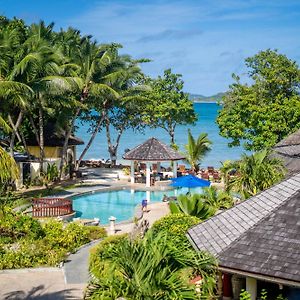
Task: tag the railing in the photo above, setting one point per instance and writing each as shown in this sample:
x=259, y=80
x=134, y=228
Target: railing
x=51, y=207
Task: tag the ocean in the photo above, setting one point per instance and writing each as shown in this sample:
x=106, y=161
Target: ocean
x=207, y=114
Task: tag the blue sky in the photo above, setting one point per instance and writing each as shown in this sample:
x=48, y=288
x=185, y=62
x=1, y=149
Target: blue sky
x=205, y=41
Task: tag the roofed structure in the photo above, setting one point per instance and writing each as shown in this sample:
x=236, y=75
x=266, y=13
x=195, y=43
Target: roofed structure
x=289, y=151
x=153, y=150
x=54, y=137
x=260, y=236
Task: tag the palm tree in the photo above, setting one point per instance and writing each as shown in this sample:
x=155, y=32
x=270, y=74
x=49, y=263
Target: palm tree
x=91, y=60
x=8, y=168
x=192, y=205
x=216, y=199
x=40, y=67
x=196, y=149
x=149, y=268
x=255, y=173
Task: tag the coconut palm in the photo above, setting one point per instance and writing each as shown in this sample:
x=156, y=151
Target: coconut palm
x=192, y=205
x=40, y=67
x=255, y=173
x=149, y=268
x=196, y=149
x=92, y=61
x=8, y=168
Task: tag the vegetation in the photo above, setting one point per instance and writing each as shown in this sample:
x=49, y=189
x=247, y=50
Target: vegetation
x=264, y=112
x=175, y=227
x=253, y=173
x=216, y=199
x=50, y=79
x=192, y=205
x=149, y=268
x=9, y=170
x=25, y=242
x=196, y=149
x=168, y=106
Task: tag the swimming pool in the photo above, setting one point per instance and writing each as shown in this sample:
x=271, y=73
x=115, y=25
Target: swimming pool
x=120, y=204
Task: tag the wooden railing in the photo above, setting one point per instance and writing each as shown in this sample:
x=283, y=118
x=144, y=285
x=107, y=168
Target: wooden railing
x=51, y=207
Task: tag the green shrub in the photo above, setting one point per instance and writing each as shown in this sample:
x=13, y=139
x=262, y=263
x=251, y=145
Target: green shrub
x=97, y=264
x=24, y=242
x=175, y=226
x=96, y=232
x=30, y=254
x=14, y=226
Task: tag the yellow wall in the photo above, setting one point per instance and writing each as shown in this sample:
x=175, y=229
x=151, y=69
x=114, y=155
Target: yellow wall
x=50, y=152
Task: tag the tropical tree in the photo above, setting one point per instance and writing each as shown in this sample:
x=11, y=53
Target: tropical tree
x=193, y=205
x=91, y=60
x=149, y=268
x=196, y=149
x=168, y=105
x=8, y=168
x=260, y=114
x=216, y=199
x=40, y=67
x=255, y=173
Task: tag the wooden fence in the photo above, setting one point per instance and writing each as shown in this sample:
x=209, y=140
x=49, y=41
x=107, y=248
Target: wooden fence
x=51, y=207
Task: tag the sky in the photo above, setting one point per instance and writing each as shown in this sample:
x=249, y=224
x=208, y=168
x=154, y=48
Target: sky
x=204, y=40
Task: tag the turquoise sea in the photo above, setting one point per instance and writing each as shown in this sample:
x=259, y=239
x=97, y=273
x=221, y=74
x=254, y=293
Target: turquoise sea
x=207, y=114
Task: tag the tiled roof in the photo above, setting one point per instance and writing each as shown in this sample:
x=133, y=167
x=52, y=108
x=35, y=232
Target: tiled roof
x=292, y=139
x=288, y=150
x=153, y=150
x=260, y=235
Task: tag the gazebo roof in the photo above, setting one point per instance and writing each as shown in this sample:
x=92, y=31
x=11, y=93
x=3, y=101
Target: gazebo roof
x=153, y=150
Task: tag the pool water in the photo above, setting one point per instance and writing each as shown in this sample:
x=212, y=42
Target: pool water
x=120, y=204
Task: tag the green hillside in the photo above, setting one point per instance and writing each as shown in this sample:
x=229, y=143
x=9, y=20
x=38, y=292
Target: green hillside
x=201, y=98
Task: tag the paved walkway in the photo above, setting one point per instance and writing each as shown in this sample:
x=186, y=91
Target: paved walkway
x=38, y=284
x=76, y=266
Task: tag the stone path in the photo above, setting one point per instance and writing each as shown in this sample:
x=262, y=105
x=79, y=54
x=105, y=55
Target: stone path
x=38, y=284
x=76, y=266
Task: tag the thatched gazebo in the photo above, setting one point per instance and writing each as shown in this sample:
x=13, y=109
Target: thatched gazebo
x=152, y=151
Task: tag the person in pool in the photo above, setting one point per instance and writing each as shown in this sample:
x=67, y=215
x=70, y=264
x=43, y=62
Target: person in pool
x=144, y=205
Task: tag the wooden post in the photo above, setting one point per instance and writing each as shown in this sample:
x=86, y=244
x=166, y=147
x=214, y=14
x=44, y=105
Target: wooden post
x=227, y=289
x=251, y=287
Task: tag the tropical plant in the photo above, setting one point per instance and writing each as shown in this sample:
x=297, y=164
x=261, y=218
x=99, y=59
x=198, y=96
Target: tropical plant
x=216, y=199
x=168, y=105
x=25, y=242
x=260, y=114
x=196, y=149
x=192, y=205
x=8, y=168
x=175, y=227
x=149, y=268
x=255, y=173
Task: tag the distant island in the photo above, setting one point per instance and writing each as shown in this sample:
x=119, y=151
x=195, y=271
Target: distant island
x=200, y=98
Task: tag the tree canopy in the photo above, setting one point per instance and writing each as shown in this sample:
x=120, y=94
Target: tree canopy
x=168, y=105
x=261, y=113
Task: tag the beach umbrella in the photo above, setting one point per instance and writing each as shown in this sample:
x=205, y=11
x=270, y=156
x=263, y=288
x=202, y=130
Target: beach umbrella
x=189, y=181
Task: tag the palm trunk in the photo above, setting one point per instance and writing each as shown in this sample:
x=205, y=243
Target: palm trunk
x=84, y=95
x=15, y=131
x=41, y=138
x=34, y=129
x=88, y=145
x=66, y=142
x=113, y=149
